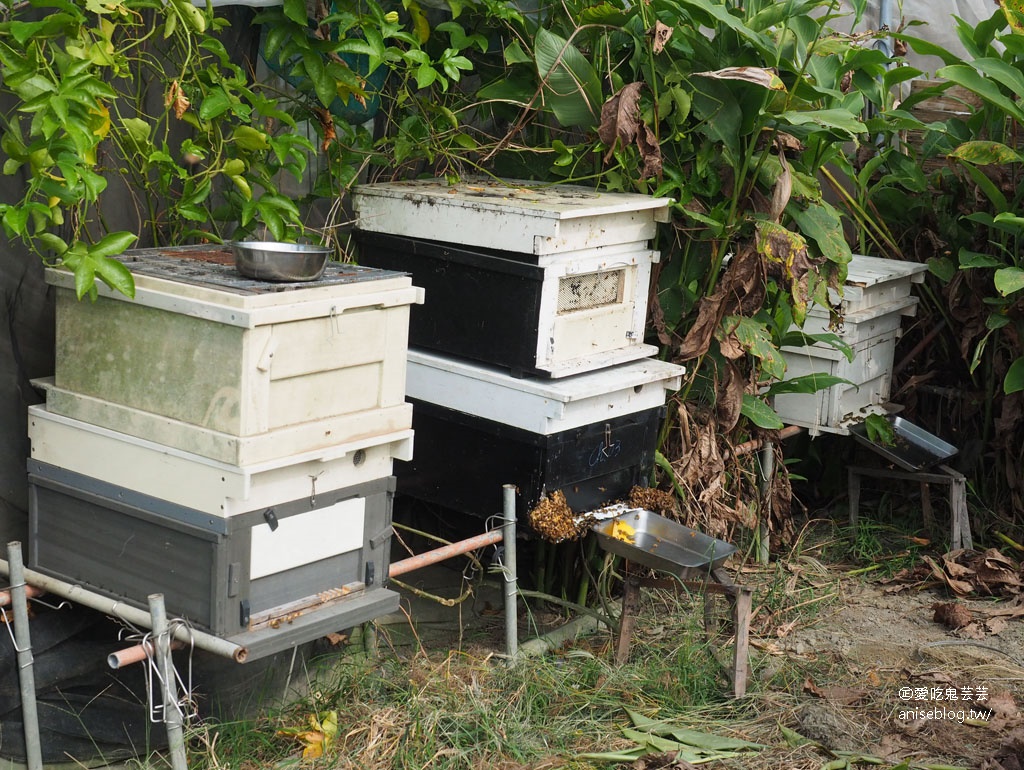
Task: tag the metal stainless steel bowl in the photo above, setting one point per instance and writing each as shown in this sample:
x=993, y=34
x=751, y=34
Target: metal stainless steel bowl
x=283, y=262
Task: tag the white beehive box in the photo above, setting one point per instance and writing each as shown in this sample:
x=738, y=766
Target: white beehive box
x=517, y=216
x=235, y=370
x=876, y=298
x=873, y=282
x=209, y=487
x=834, y=409
x=550, y=281
x=541, y=406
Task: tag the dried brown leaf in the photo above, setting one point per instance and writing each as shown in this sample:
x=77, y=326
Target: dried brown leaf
x=961, y=587
x=762, y=76
x=844, y=696
x=660, y=35
x=709, y=315
x=729, y=397
x=1002, y=705
x=620, y=117
x=1013, y=610
x=176, y=99
x=782, y=191
x=788, y=143
x=994, y=559
x=650, y=151
x=995, y=625
x=954, y=568
x=951, y=614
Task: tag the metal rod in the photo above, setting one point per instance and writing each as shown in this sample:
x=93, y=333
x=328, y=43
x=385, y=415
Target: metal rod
x=23, y=647
x=444, y=553
x=31, y=592
x=510, y=574
x=767, y=463
x=126, y=612
x=135, y=654
x=173, y=721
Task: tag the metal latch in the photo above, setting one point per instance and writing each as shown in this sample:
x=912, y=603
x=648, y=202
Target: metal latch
x=271, y=518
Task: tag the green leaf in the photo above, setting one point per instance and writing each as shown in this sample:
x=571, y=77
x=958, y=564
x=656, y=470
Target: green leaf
x=115, y=275
x=711, y=742
x=808, y=383
x=616, y=756
x=794, y=739
x=1001, y=72
x=1006, y=218
x=997, y=321
x=839, y=121
x=138, y=130
x=250, y=139
x=986, y=153
x=759, y=413
x=215, y=104
x=942, y=268
x=242, y=185
x=53, y=242
x=1014, y=380
x=425, y=76
x=968, y=77
x=720, y=12
x=114, y=243
x=1008, y=280
x=880, y=430
x=16, y=219
x=974, y=259
x=753, y=337
x=514, y=54
x=821, y=223
x=514, y=90
x=571, y=87
x=651, y=740
x=797, y=338
x=295, y=10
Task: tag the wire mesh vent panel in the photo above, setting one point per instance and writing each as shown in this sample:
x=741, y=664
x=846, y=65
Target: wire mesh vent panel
x=590, y=290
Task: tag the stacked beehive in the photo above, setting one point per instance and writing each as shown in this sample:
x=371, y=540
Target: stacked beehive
x=226, y=442
x=876, y=298
x=527, y=362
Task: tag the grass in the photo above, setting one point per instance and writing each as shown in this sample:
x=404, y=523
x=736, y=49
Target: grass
x=467, y=708
x=456, y=704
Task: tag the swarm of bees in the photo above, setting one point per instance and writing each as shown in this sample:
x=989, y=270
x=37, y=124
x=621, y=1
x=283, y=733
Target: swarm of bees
x=554, y=520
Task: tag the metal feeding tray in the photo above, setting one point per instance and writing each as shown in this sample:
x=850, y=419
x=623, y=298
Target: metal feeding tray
x=646, y=538
x=915, y=448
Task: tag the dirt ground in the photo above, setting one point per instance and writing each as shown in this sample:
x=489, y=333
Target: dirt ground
x=875, y=674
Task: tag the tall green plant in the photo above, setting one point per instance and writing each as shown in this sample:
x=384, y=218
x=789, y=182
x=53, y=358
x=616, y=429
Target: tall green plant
x=735, y=111
x=731, y=110
x=143, y=97
x=965, y=217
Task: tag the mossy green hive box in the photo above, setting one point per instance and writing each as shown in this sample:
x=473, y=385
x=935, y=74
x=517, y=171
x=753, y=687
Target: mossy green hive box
x=238, y=370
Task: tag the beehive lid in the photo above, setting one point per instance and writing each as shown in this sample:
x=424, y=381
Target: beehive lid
x=512, y=216
x=202, y=281
x=864, y=274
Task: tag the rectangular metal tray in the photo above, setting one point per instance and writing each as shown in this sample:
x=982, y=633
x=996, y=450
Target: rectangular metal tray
x=915, y=448
x=662, y=544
